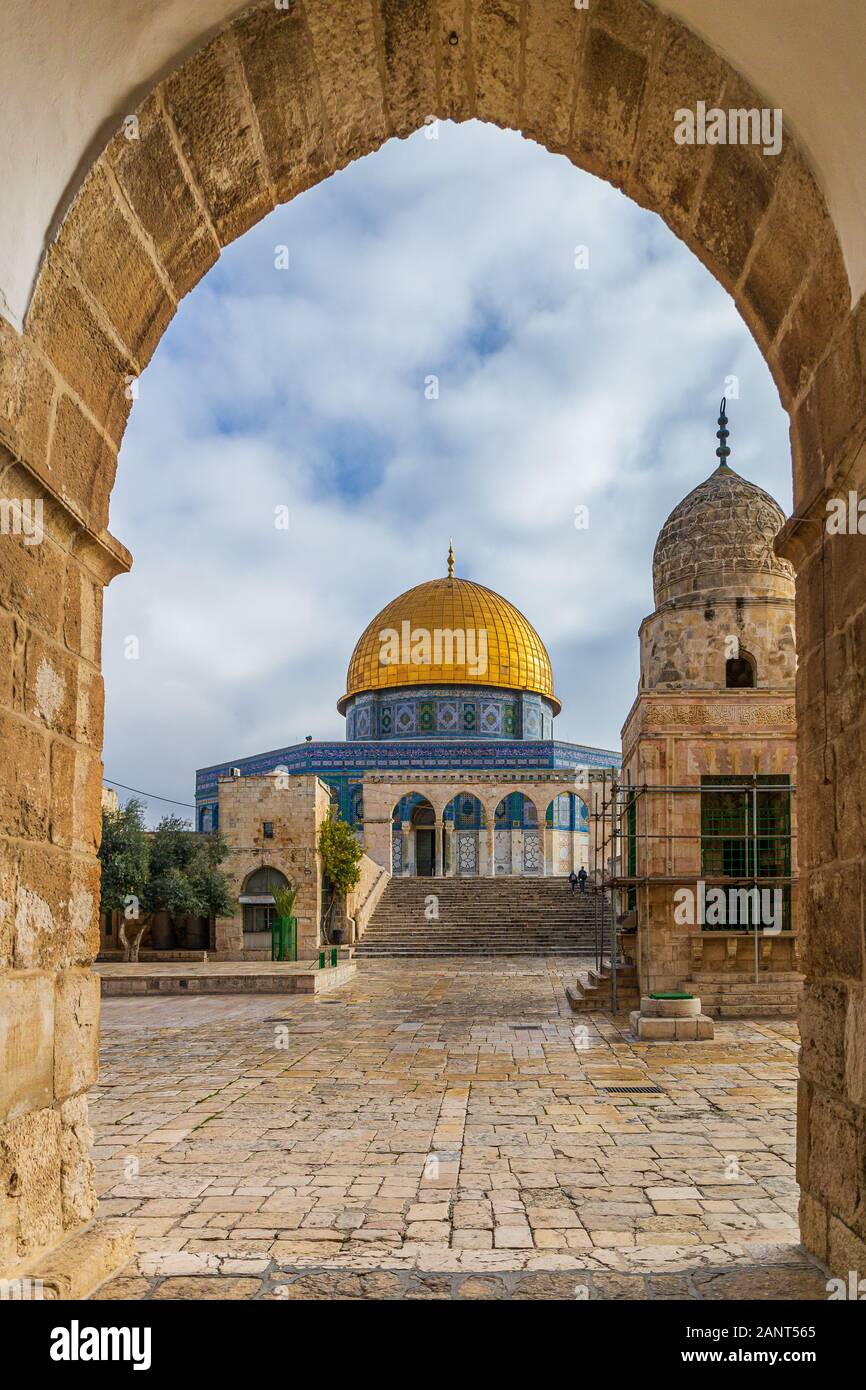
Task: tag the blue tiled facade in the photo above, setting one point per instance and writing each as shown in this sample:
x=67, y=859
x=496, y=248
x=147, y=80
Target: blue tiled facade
x=453, y=712
x=342, y=765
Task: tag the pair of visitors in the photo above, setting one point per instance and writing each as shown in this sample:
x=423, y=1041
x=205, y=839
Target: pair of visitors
x=580, y=878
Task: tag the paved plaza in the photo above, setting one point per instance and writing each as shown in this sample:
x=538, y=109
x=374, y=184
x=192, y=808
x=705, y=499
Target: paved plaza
x=445, y=1129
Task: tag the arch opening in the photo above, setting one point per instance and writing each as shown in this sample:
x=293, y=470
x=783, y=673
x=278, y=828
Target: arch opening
x=153, y=215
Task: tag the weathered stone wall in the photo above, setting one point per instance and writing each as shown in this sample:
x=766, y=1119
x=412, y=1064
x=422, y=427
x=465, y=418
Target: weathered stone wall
x=296, y=807
x=266, y=109
x=50, y=792
x=686, y=643
x=674, y=740
x=831, y=725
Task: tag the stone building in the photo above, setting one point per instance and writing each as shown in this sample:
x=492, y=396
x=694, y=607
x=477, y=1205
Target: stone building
x=706, y=806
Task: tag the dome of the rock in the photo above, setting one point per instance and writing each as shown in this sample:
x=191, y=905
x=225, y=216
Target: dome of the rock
x=475, y=638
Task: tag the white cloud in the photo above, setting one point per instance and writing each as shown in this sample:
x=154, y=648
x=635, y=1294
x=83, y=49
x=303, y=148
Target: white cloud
x=558, y=386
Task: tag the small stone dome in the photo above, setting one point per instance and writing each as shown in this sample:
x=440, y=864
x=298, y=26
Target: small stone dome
x=718, y=542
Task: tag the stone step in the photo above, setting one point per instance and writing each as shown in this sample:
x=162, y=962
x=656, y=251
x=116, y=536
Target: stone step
x=744, y=977
x=481, y=917
x=465, y=952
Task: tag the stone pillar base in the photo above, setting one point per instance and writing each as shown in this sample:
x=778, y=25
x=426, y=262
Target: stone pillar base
x=670, y=1020
x=76, y=1267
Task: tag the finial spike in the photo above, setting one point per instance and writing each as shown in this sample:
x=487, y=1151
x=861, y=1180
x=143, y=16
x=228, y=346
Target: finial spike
x=450, y=558
x=723, y=453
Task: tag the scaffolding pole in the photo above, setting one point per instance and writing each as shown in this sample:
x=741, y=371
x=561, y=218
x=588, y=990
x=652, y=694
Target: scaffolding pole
x=613, y=878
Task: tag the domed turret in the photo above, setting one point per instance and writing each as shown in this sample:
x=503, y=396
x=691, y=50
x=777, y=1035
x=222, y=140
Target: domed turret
x=718, y=541
x=724, y=614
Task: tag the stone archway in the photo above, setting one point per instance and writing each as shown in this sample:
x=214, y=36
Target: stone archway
x=273, y=104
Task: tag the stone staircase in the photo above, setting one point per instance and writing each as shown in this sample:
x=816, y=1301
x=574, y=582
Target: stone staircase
x=481, y=917
x=725, y=994
x=591, y=990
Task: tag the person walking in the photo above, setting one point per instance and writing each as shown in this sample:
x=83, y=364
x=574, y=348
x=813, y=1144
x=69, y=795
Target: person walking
x=572, y=878
x=581, y=878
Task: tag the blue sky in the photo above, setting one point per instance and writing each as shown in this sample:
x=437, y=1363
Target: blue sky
x=304, y=387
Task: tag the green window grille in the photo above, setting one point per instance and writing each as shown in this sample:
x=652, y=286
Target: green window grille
x=746, y=836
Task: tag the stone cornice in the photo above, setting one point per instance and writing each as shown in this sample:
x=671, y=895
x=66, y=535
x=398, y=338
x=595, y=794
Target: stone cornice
x=765, y=711
x=457, y=778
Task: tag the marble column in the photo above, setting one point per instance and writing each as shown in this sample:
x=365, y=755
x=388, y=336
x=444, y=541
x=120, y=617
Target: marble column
x=449, y=866
x=491, y=851
x=437, y=833
x=408, y=867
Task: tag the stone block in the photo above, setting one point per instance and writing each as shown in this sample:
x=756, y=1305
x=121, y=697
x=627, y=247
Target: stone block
x=277, y=56
x=667, y=175
x=813, y=1226
x=704, y=1026
x=77, y=1266
x=76, y=1045
x=84, y=462
x=102, y=244
x=50, y=689
x=77, y=1190
x=457, y=97
x=27, y=389
x=686, y=1029
x=822, y=1034
x=855, y=1046
x=30, y=1183
x=85, y=354
x=208, y=104
x=736, y=194
x=347, y=59
x=26, y=1042
x=669, y=1008
x=840, y=393
x=796, y=227
x=608, y=108
x=496, y=53
x=656, y=1029
x=82, y=614
x=151, y=175
x=554, y=34
x=8, y=896
x=409, y=61
x=26, y=790
x=846, y=1250
x=820, y=311
x=835, y=1157
x=32, y=582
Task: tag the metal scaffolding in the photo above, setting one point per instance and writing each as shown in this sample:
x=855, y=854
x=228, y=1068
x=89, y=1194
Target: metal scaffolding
x=752, y=845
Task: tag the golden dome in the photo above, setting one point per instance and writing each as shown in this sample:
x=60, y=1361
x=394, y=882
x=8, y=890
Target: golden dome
x=515, y=657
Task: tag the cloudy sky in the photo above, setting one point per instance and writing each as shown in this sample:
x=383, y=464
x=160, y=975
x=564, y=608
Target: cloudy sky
x=560, y=384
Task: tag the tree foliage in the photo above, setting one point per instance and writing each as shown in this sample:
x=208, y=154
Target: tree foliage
x=124, y=856
x=340, y=854
x=173, y=870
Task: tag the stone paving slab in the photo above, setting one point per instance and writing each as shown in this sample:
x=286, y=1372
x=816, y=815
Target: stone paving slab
x=445, y=1121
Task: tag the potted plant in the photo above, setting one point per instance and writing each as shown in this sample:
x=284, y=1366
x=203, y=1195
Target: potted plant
x=284, y=940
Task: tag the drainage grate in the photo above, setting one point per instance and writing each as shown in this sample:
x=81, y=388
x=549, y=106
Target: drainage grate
x=633, y=1090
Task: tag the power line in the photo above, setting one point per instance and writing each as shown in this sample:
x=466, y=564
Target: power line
x=151, y=795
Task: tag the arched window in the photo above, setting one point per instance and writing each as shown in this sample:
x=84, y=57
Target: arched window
x=258, y=904
x=740, y=672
